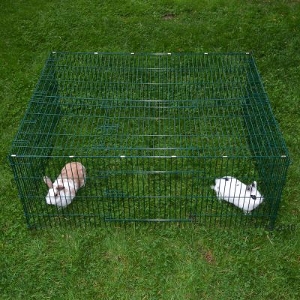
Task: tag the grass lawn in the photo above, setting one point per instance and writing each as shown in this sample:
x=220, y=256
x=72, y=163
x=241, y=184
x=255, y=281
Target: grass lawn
x=157, y=261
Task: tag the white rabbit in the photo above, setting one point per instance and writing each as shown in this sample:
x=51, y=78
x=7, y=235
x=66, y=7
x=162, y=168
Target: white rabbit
x=63, y=190
x=230, y=189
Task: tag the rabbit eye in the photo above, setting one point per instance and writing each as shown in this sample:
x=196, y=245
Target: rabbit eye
x=253, y=197
x=227, y=179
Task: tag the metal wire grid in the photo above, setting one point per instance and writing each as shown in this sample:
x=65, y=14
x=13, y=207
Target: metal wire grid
x=168, y=103
x=167, y=124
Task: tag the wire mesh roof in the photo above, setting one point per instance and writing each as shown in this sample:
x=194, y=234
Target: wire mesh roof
x=110, y=104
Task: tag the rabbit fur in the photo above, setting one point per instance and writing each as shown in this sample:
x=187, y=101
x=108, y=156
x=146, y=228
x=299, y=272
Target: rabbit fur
x=232, y=190
x=63, y=190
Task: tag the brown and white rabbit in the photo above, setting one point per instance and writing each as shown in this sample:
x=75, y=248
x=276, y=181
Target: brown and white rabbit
x=63, y=190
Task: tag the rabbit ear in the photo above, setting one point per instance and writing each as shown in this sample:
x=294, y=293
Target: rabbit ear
x=48, y=181
x=251, y=186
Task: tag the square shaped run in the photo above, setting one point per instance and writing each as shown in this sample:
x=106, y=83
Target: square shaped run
x=153, y=130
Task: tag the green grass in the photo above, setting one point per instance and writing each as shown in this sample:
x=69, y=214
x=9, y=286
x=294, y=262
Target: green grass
x=149, y=262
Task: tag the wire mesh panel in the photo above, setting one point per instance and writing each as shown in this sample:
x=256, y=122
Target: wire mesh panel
x=153, y=132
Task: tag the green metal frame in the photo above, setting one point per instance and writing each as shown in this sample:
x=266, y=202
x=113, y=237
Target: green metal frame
x=154, y=131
